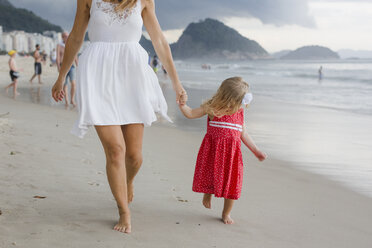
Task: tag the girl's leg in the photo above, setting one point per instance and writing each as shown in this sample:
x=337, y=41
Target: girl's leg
x=133, y=136
x=207, y=200
x=113, y=143
x=226, y=211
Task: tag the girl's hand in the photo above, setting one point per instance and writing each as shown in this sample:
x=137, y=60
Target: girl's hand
x=57, y=91
x=261, y=155
x=181, y=95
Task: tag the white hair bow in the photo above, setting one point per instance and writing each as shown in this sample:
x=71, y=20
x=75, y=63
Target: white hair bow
x=247, y=99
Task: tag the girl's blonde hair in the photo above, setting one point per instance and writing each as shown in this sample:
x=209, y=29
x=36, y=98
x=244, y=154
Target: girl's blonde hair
x=228, y=99
x=125, y=4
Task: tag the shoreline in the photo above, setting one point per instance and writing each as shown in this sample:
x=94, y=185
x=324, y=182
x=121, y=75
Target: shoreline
x=281, y=206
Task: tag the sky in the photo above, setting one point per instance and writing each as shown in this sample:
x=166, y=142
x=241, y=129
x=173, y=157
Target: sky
x=275, y=24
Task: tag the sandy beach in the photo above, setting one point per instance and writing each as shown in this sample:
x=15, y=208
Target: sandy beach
x=281, y=206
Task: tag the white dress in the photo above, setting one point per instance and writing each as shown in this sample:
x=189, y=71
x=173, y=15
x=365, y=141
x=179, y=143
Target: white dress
x=115, y=84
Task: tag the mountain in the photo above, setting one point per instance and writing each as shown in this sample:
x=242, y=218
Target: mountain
x=147, y=45
x=360, y=54
x=312, y=52
x=280, y=54
x=213, y=39
x=12, y=18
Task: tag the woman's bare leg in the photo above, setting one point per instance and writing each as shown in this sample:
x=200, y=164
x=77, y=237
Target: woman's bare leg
x=226, y=218
x=113, y=143
x=133, y=136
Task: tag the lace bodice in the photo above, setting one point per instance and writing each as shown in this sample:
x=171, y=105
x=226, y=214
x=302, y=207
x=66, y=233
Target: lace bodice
x=108, y=25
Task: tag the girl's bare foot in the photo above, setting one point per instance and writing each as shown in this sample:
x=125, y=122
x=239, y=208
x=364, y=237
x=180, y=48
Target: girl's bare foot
x=73, y=104
x=130, y=192
x=207, y=200
x=124, y=224
x=227, y=219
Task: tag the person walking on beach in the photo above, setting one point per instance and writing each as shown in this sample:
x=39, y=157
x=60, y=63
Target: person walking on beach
x=37, y=65
x=155, y=64
x=71, y=75
x=117, y=91
x=14, y=73
x=320, y=73
x=53, y=57
x=219, y=166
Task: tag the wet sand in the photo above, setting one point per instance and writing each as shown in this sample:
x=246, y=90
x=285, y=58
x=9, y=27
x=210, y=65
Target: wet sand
x=280, y=205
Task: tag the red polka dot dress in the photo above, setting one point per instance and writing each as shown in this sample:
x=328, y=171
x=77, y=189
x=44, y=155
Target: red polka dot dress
x=219, y=166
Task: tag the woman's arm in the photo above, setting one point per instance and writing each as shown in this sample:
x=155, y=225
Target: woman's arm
x=192, y=113
x=248, y=141
x=73, y=44
x=162, y=48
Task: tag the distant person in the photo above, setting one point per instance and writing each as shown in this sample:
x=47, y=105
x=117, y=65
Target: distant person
x=44, y=57
x=71, y=75
x=37, y=64
x=219, y=166
x=14, y=73
x=53, y=57
x=155, y=63
x=320, y=73
x=164, y=70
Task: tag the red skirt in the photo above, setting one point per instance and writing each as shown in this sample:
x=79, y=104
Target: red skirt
x=219, y=167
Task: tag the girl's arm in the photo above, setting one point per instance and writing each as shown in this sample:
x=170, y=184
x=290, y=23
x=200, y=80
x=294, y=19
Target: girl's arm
x=162, y=48
x=248, y=141
x=73, y=44
x=192, y=113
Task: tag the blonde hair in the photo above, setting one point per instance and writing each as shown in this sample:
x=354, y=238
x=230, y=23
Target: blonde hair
x=126, y=4
x=228, y=99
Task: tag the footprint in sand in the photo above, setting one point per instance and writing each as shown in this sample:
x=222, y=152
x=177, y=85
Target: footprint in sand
x=86, y=161
x=180, y=199
x=94, y=184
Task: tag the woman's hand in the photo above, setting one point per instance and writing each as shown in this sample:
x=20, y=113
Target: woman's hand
x=181, y=95
x=57, y=91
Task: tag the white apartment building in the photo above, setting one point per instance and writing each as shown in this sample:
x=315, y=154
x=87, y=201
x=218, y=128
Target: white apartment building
x=26, y=42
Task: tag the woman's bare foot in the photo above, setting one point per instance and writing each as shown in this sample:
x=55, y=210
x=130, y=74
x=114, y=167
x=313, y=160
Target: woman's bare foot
x=130, y=191
x=73, y=104
x=124, y=224
x=207, y=201
x=227, y=219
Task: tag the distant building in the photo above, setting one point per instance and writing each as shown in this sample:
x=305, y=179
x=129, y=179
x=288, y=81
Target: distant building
x=26, y=42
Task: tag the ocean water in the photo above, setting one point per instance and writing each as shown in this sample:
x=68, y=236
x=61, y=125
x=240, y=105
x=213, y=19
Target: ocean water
x=347, y=84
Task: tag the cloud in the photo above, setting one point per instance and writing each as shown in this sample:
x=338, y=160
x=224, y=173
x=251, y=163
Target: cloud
x=173, y=14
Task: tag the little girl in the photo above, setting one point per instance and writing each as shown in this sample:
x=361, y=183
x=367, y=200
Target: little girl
x=219, y=166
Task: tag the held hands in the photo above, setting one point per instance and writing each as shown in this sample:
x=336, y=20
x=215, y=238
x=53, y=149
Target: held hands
x=57, y=91
x=181, y=95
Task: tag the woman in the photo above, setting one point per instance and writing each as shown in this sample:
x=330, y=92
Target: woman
x=118, y=91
